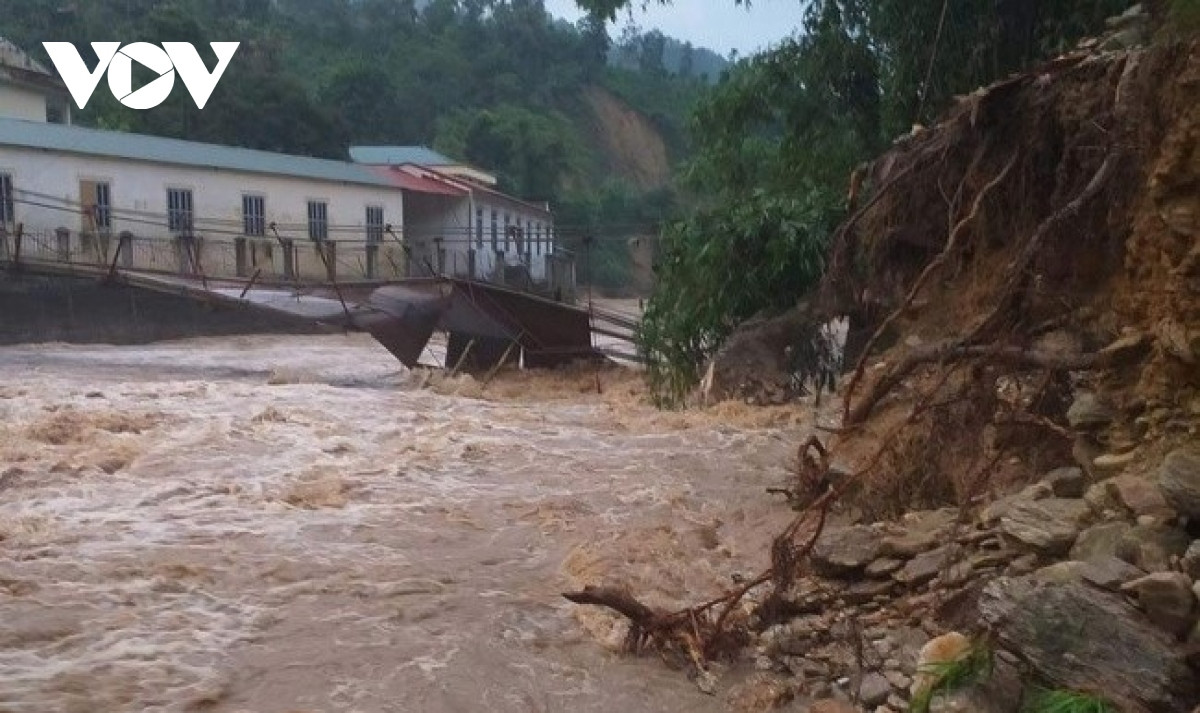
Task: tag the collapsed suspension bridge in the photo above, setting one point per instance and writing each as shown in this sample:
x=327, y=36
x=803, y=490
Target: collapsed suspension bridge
x=486, y=324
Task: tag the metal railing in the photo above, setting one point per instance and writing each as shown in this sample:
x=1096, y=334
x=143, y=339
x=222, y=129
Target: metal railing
x=283, y=259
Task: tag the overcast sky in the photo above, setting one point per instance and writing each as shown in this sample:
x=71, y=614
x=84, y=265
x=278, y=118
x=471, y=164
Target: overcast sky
x=720, y=25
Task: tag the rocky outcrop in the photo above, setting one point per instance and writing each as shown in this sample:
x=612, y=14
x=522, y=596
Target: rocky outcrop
x=1083, y=639
x=1179, y=478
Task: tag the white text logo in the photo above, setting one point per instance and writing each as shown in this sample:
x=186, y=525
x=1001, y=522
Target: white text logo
x=118, y=61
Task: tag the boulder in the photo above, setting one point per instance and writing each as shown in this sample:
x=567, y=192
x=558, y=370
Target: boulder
x=1140, y=496
x=1077, y=637
x=843, y=551
x=1151, y=547
x=1167, y=599
x=874, y=689
x=1049, y=526
x=1104, y=572
x=1088, y=412
x=1100, y=499
x=1179, y=479
x=1100, y=541
x=925, y=566
x=923, y=530
x=1066, y=482
x=1110, y=573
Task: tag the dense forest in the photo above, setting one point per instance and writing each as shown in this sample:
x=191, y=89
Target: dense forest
x=500, y=84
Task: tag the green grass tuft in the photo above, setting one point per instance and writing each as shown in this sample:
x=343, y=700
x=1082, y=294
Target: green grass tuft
x=1060, y=701
x=976, y=666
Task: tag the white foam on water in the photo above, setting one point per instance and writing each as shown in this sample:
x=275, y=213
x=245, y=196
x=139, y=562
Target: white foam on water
x=290, y=523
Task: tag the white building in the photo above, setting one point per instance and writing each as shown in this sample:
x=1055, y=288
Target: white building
x=459, y=224
x=75, y=194
x=195, y=208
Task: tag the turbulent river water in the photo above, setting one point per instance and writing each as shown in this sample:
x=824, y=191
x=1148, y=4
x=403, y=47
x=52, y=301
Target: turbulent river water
x=287, y=524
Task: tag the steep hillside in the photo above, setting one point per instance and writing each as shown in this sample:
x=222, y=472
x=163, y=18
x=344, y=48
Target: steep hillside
x=630, y=145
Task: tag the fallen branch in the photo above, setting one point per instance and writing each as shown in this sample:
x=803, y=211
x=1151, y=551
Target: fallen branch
x=1018, y=269
x=951, y=243
x=955, y=350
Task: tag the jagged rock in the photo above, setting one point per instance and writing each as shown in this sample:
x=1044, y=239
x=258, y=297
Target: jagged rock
x=999, y=508
x=1139, y=496
x=845, y=550
x=1066, y=482
x=925, y=566
x=1151, y=547
x=1100, y=541
x=874, y=689
x=934, y=657
x=1110, y=573
x=1167, y=599
x=1104, y=572
x=1088, y=412
x=1081, y=638
x=1100, y=499
x=1179, y=479
x=922, y=531
x=1049, y=525
x=1190, y=562
x=1060, y=572
x=883, y=567
x=861, y=592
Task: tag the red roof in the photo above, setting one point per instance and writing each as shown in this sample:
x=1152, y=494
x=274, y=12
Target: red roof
x=419, y=183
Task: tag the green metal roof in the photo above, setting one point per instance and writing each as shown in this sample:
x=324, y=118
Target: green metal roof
x=399, y=155
x=140, y=147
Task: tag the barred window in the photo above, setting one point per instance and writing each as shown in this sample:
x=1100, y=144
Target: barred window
x=102, y=210
x=495, y=238
x=179, y=210
x=479, y=227
x=318, y=220
x=374, y=224
x=254, y=215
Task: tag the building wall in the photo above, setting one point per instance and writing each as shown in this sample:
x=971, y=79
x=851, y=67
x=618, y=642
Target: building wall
x=48, y=192
x=536, y=250
x=20, y=103
x=429, y=217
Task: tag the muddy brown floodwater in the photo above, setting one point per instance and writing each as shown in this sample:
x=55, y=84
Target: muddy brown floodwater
x=279, y=524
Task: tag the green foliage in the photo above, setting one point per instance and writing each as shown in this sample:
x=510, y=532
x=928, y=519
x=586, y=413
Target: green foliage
x=954, y=675
x=794, y=122
x=722, y=265
x=1184, y=15
x=1062, y=701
